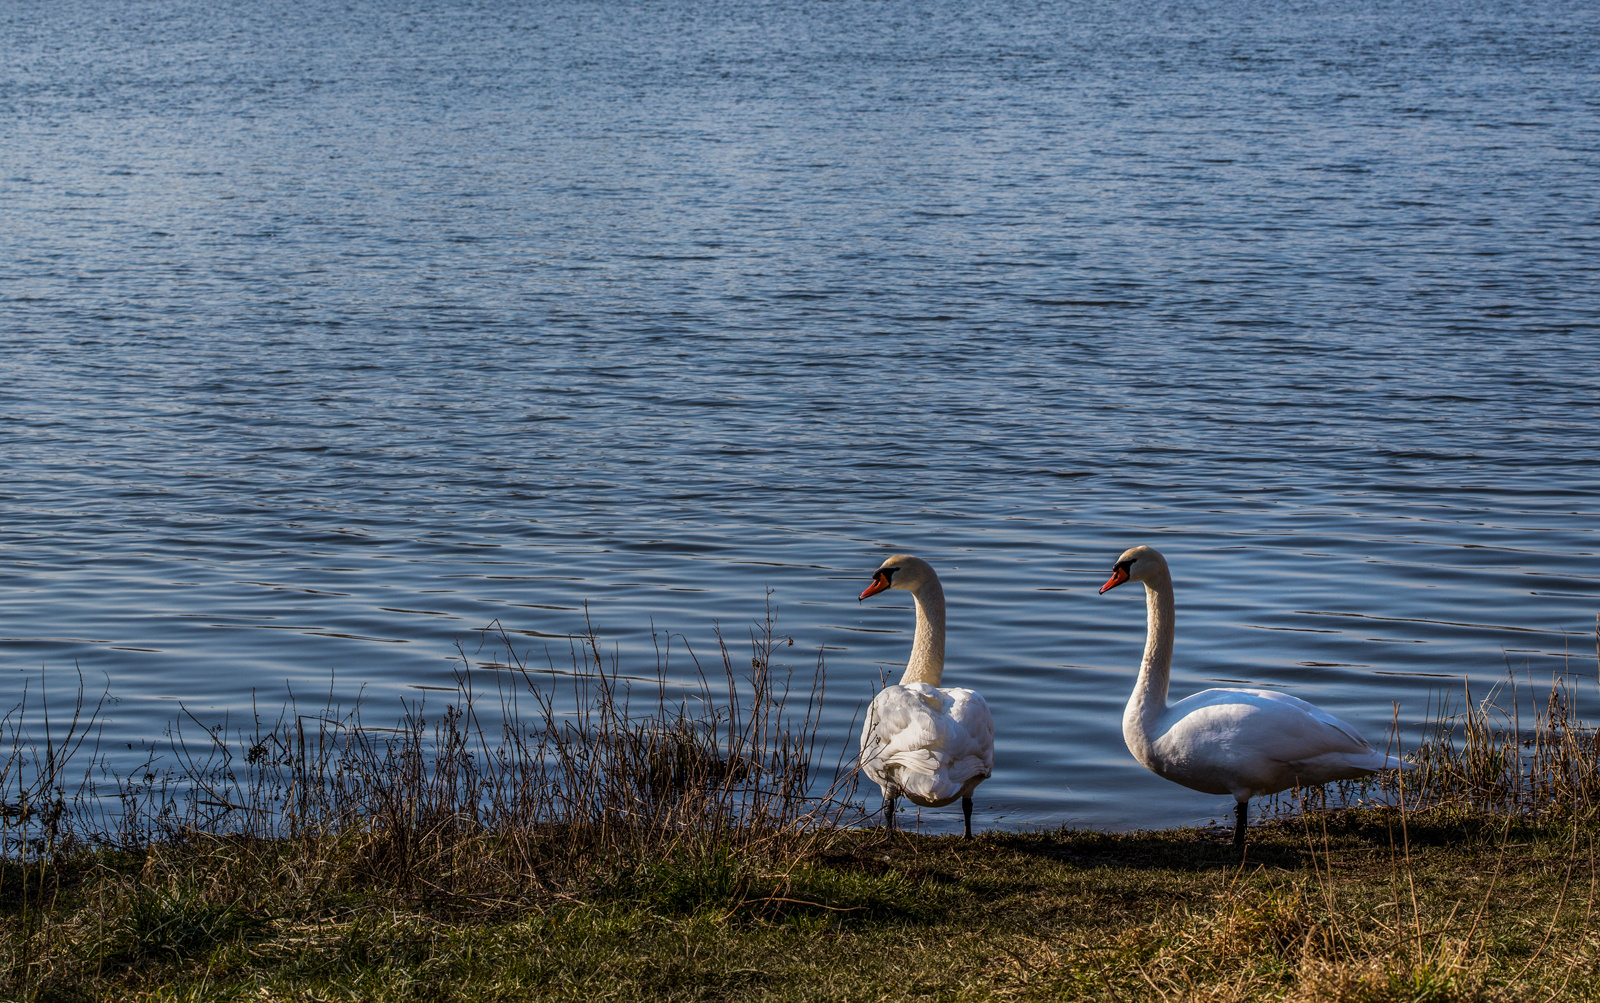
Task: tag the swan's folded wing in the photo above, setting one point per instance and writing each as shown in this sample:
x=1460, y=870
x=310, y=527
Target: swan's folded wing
x=900, y=731
x=973, y=750
x=1262, y=725
x=1334, y=734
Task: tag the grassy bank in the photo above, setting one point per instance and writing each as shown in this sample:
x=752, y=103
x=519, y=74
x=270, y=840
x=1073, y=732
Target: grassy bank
x=553, y=837
x=1351, y=906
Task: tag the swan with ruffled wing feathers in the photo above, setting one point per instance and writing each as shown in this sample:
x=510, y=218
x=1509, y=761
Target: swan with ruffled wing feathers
x=926, y=744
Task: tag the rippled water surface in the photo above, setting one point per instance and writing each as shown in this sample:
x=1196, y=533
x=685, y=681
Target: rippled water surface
x=330, y=333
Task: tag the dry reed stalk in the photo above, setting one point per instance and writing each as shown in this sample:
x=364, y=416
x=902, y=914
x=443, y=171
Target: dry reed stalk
x=1479, y=757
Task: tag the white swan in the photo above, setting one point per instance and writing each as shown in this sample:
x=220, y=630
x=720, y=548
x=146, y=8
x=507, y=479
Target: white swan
x=926, y=744
x=1227, y=741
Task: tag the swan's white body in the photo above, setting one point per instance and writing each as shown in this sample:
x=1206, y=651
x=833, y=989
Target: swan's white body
x=1227, y=741
x=926, y=744
x=1247, y=743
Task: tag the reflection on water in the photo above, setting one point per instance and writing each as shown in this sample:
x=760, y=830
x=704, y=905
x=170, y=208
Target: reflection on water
x=333, y=335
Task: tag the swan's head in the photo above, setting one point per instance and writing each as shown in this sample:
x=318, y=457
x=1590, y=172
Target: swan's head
x=1139, y=564
x=902, y=571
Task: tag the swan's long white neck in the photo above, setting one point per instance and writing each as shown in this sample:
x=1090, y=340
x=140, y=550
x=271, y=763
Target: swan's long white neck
x=927, y=645
x=1149, y=700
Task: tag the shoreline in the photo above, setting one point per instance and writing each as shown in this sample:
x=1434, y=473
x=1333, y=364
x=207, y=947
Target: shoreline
x=688, y=851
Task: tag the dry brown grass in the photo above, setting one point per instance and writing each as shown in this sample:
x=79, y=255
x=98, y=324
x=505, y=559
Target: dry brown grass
x=1519, y=751
x=552, y=766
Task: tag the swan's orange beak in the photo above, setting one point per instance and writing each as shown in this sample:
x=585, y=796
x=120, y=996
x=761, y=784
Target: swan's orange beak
x=1118, y=576
x=880, y=581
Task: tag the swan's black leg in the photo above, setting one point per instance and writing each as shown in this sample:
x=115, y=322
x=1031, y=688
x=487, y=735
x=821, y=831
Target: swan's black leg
x=966, y=813
x=1241, y=812
x=888, y=814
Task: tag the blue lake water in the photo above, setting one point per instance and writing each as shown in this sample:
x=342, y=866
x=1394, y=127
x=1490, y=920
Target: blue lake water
x=330, y=333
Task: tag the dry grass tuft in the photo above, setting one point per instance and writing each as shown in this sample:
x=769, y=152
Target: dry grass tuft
x=1519, y=751
x=1454, y=974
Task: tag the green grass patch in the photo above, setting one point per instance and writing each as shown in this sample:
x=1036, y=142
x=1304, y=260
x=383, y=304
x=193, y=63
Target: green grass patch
x=1348, y=906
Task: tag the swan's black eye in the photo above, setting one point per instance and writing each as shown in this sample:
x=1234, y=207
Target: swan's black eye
x=888, y=573
x=1123, y=565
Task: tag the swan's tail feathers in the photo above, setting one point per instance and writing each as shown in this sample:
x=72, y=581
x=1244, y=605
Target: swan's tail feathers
x=1341, y=766
x=1378, y=762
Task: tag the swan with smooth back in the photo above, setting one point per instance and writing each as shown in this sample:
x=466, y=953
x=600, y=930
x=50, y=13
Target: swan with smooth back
x=1227, y=741
x=926, y=744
